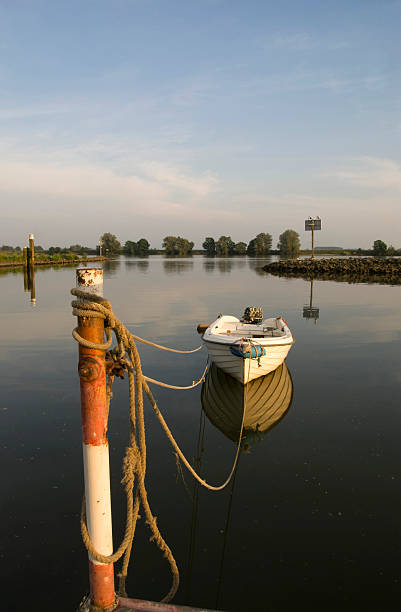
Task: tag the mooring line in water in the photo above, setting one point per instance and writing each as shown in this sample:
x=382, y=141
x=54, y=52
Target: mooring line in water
x=168, y=386
x=126, y=357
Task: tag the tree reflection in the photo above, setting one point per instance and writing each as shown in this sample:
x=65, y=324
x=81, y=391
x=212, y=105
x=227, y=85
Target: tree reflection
x=209, y=265
x=110, y=267
x=141, y=265
x=177, y=266
x=224, y=265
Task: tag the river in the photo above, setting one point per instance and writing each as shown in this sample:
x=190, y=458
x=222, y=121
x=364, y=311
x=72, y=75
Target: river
x=312, y=519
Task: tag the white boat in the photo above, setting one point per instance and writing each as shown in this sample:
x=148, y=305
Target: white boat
x=247, y=349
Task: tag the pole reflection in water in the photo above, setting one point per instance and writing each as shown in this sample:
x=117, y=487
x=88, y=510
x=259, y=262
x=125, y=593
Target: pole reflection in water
x=265, y=400
x=29, y=283
x=26, y=280
x=311, y=312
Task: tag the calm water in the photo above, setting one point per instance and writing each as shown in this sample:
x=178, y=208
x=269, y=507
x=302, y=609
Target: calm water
x=312, y=521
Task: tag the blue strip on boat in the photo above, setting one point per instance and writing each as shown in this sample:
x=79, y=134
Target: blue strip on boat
x=254, y=353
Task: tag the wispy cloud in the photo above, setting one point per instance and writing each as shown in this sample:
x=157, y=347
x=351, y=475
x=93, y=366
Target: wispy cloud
x=373, y=173
x=164, y=174
x=151, y=188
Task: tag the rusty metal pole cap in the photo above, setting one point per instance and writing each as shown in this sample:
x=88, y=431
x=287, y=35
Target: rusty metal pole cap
x=90, y=280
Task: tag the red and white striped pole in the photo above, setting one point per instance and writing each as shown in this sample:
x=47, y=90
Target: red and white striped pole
x=94, y=417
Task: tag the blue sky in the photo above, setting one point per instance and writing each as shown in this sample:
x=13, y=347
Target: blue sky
x=200, y=118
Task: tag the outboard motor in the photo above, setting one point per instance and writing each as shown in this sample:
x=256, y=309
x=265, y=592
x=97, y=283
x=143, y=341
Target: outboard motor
x=253, y=315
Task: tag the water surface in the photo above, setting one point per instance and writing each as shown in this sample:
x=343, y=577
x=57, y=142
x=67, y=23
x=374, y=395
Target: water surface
x=311, y=520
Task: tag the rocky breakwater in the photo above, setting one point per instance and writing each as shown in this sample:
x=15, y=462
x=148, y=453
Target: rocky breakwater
x=350, y=269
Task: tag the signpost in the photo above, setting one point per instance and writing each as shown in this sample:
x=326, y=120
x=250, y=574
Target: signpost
x=310, y=226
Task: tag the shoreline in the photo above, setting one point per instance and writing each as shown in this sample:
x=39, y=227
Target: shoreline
x=49, y=262
x=352, y=269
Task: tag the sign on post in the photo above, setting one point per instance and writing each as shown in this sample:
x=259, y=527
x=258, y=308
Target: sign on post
x=313, y=224
x=310, y=226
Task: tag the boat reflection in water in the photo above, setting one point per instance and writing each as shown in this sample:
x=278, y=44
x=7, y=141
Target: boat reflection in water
x=265, y=400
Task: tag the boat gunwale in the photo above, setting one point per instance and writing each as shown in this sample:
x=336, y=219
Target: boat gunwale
x=227, y=340
x=228, y=345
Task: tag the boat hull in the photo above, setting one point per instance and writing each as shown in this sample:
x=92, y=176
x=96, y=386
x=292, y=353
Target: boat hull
x=246, y=369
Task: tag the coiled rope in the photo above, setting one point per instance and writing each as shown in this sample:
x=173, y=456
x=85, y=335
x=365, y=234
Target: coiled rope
x=127, y=356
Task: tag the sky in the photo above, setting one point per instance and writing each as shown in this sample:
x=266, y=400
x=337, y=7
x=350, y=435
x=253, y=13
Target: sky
x=148, y=118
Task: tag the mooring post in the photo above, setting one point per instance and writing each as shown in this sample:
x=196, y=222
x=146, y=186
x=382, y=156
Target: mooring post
x=94, y=416
x=25, y=256
x=31, y=250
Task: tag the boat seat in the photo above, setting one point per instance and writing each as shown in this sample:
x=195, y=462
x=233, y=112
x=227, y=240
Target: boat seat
x=232, y=326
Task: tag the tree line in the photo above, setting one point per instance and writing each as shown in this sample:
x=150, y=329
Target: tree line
x=288, y=245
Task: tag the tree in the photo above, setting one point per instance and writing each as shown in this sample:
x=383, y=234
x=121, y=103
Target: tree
x=77, y=248
x=379, y=248
x=240, y=248
x=260, y=245
x=225, y=246
x=183, y=246
x=53, y=250
x=110, y=244
x=210, y=246
x=142, y=248
x=129, y=247
x=391, y=250
x=289, y=244
x=175, y=245
x=169, y=245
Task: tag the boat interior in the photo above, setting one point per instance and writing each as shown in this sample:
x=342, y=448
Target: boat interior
x=269, y=328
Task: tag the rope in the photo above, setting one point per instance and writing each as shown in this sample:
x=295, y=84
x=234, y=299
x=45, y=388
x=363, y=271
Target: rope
x=134, y=463
x=195, y=383
x=181, y=455
x=165, y=348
